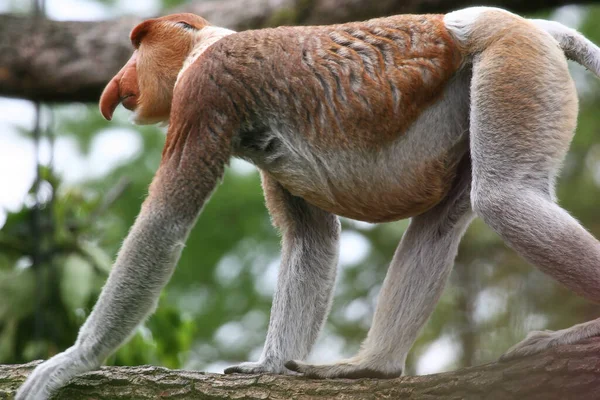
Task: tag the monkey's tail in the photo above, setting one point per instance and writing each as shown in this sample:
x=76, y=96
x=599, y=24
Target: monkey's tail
x=576, y=46
x=476, y=27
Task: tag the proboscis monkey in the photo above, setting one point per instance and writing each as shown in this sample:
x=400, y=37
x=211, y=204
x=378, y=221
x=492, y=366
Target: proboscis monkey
x=440, y=118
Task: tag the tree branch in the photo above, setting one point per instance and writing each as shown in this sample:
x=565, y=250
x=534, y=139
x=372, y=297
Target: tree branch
x=565, y=372
x=56, y=61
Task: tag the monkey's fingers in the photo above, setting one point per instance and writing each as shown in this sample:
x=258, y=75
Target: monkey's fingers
x=349, y=370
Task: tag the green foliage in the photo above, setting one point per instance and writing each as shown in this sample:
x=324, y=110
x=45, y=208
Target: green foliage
x=46, y=275
x=169, y=4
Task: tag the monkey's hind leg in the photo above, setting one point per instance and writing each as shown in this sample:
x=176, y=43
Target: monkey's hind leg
x=523, y=115
x=412, y=286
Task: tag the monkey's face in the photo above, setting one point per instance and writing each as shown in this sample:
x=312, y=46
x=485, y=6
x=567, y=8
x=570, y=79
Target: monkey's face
x=145, y=84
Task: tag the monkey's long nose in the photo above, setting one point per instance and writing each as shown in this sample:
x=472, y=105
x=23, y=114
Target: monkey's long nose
x=122, y=87
x=110, y=99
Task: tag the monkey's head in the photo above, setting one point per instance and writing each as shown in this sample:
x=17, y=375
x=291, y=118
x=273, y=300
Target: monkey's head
x=145, y=84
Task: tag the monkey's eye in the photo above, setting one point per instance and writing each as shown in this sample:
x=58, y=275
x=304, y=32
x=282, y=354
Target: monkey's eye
x=187, y=26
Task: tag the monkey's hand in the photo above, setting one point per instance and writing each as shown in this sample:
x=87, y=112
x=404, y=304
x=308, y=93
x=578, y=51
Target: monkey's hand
x=54, y=373
x=353, y=368
x=261, y=367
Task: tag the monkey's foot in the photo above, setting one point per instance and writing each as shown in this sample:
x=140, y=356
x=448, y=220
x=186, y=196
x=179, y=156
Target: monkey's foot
x=344, y=369
x=261, y=367
x=538, y=341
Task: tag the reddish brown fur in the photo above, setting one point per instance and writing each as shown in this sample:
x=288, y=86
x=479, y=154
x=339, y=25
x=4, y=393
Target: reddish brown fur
x=141, y=30
x=147, y=80
x=337, y=101
x=163, y=50
x=421, y=57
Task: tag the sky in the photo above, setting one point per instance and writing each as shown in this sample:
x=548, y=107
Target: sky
x=112, y=147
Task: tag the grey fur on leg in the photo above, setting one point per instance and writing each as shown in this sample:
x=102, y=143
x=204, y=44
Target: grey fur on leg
x=302, y=299
x=413, y=284
x=548, y=237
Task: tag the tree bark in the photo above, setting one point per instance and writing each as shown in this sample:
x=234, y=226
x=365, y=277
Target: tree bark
x=562, y=373
x=57, y=61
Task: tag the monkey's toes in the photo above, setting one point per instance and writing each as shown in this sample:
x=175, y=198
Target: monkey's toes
x=248, y=368
x=535, y=342
x=257, y=368
x=340, y=370
x=236, y=369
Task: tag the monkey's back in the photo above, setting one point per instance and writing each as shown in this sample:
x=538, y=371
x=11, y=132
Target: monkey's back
x=356, y=84
x=328, y=109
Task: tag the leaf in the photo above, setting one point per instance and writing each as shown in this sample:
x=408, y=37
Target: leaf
x=98, y=256
x=7, y=339
x=17, y=293
x=77, y=282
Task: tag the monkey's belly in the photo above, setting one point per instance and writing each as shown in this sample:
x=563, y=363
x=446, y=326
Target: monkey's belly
x=384, y=182
x=378, y=193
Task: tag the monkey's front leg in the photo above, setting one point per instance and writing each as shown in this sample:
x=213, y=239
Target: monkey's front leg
x=144, y=265
x=412, y=287
x=305, y=283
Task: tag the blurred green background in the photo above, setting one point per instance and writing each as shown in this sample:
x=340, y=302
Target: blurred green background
x=58, y=240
